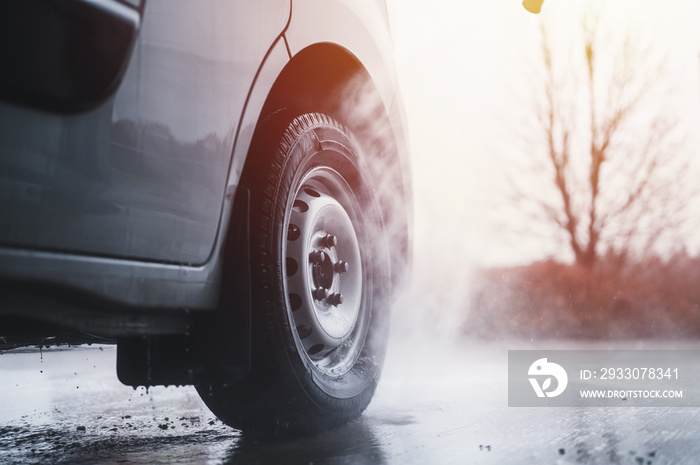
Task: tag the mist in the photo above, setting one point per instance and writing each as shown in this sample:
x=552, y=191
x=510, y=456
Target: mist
x=465, y=70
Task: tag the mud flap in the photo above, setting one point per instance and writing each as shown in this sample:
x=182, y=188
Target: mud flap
x=155, y=360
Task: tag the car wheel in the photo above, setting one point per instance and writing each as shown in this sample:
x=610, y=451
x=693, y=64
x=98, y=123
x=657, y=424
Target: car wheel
x=320, y=277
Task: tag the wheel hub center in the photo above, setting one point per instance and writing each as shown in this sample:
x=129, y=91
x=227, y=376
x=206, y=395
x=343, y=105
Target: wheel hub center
x=323, y=274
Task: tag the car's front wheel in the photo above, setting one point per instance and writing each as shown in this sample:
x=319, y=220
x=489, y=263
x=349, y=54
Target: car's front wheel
x=319, y=271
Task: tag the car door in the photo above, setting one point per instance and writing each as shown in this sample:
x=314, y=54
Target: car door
x=143, y=174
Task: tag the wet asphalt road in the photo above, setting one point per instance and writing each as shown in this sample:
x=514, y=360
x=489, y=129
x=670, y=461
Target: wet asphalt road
x=448, y=405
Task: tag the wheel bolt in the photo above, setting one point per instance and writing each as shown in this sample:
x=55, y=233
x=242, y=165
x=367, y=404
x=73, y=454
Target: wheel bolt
x=321, y=293
x=335, y=299
x=318, y=256
x=341, y=266
x=329, y=240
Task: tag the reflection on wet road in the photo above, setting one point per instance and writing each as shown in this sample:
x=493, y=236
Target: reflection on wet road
x=447, y=406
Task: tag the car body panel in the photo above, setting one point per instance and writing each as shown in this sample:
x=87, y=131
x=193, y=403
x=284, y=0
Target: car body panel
x=362, y=31
x=131, y=202
x=143, y=175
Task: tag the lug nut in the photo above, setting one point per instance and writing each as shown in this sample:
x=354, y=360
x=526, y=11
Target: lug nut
x=341, y=266
x=335, y=299
x=318, y=256
x=321, y=293
x=329, y=240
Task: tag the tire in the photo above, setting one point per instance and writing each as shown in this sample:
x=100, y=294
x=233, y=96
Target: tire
x=320, y=276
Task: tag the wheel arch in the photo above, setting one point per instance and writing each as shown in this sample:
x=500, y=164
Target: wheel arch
x=327, y=78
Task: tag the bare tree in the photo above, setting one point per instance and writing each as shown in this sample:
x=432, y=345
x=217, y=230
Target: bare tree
x=604, y=146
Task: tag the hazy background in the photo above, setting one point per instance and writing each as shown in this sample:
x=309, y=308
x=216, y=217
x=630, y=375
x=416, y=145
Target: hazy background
x=466, y=71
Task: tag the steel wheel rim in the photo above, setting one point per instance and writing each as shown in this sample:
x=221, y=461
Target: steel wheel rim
x=325, y=278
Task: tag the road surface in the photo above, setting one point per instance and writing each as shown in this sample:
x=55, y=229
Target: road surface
x=446, y=404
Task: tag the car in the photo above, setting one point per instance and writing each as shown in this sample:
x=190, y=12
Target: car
x=221, y=188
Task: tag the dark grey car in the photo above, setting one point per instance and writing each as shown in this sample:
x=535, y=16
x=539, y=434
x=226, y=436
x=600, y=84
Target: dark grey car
x=220, y=187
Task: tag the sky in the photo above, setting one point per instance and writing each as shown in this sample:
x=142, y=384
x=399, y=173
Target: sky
x=465, y=70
